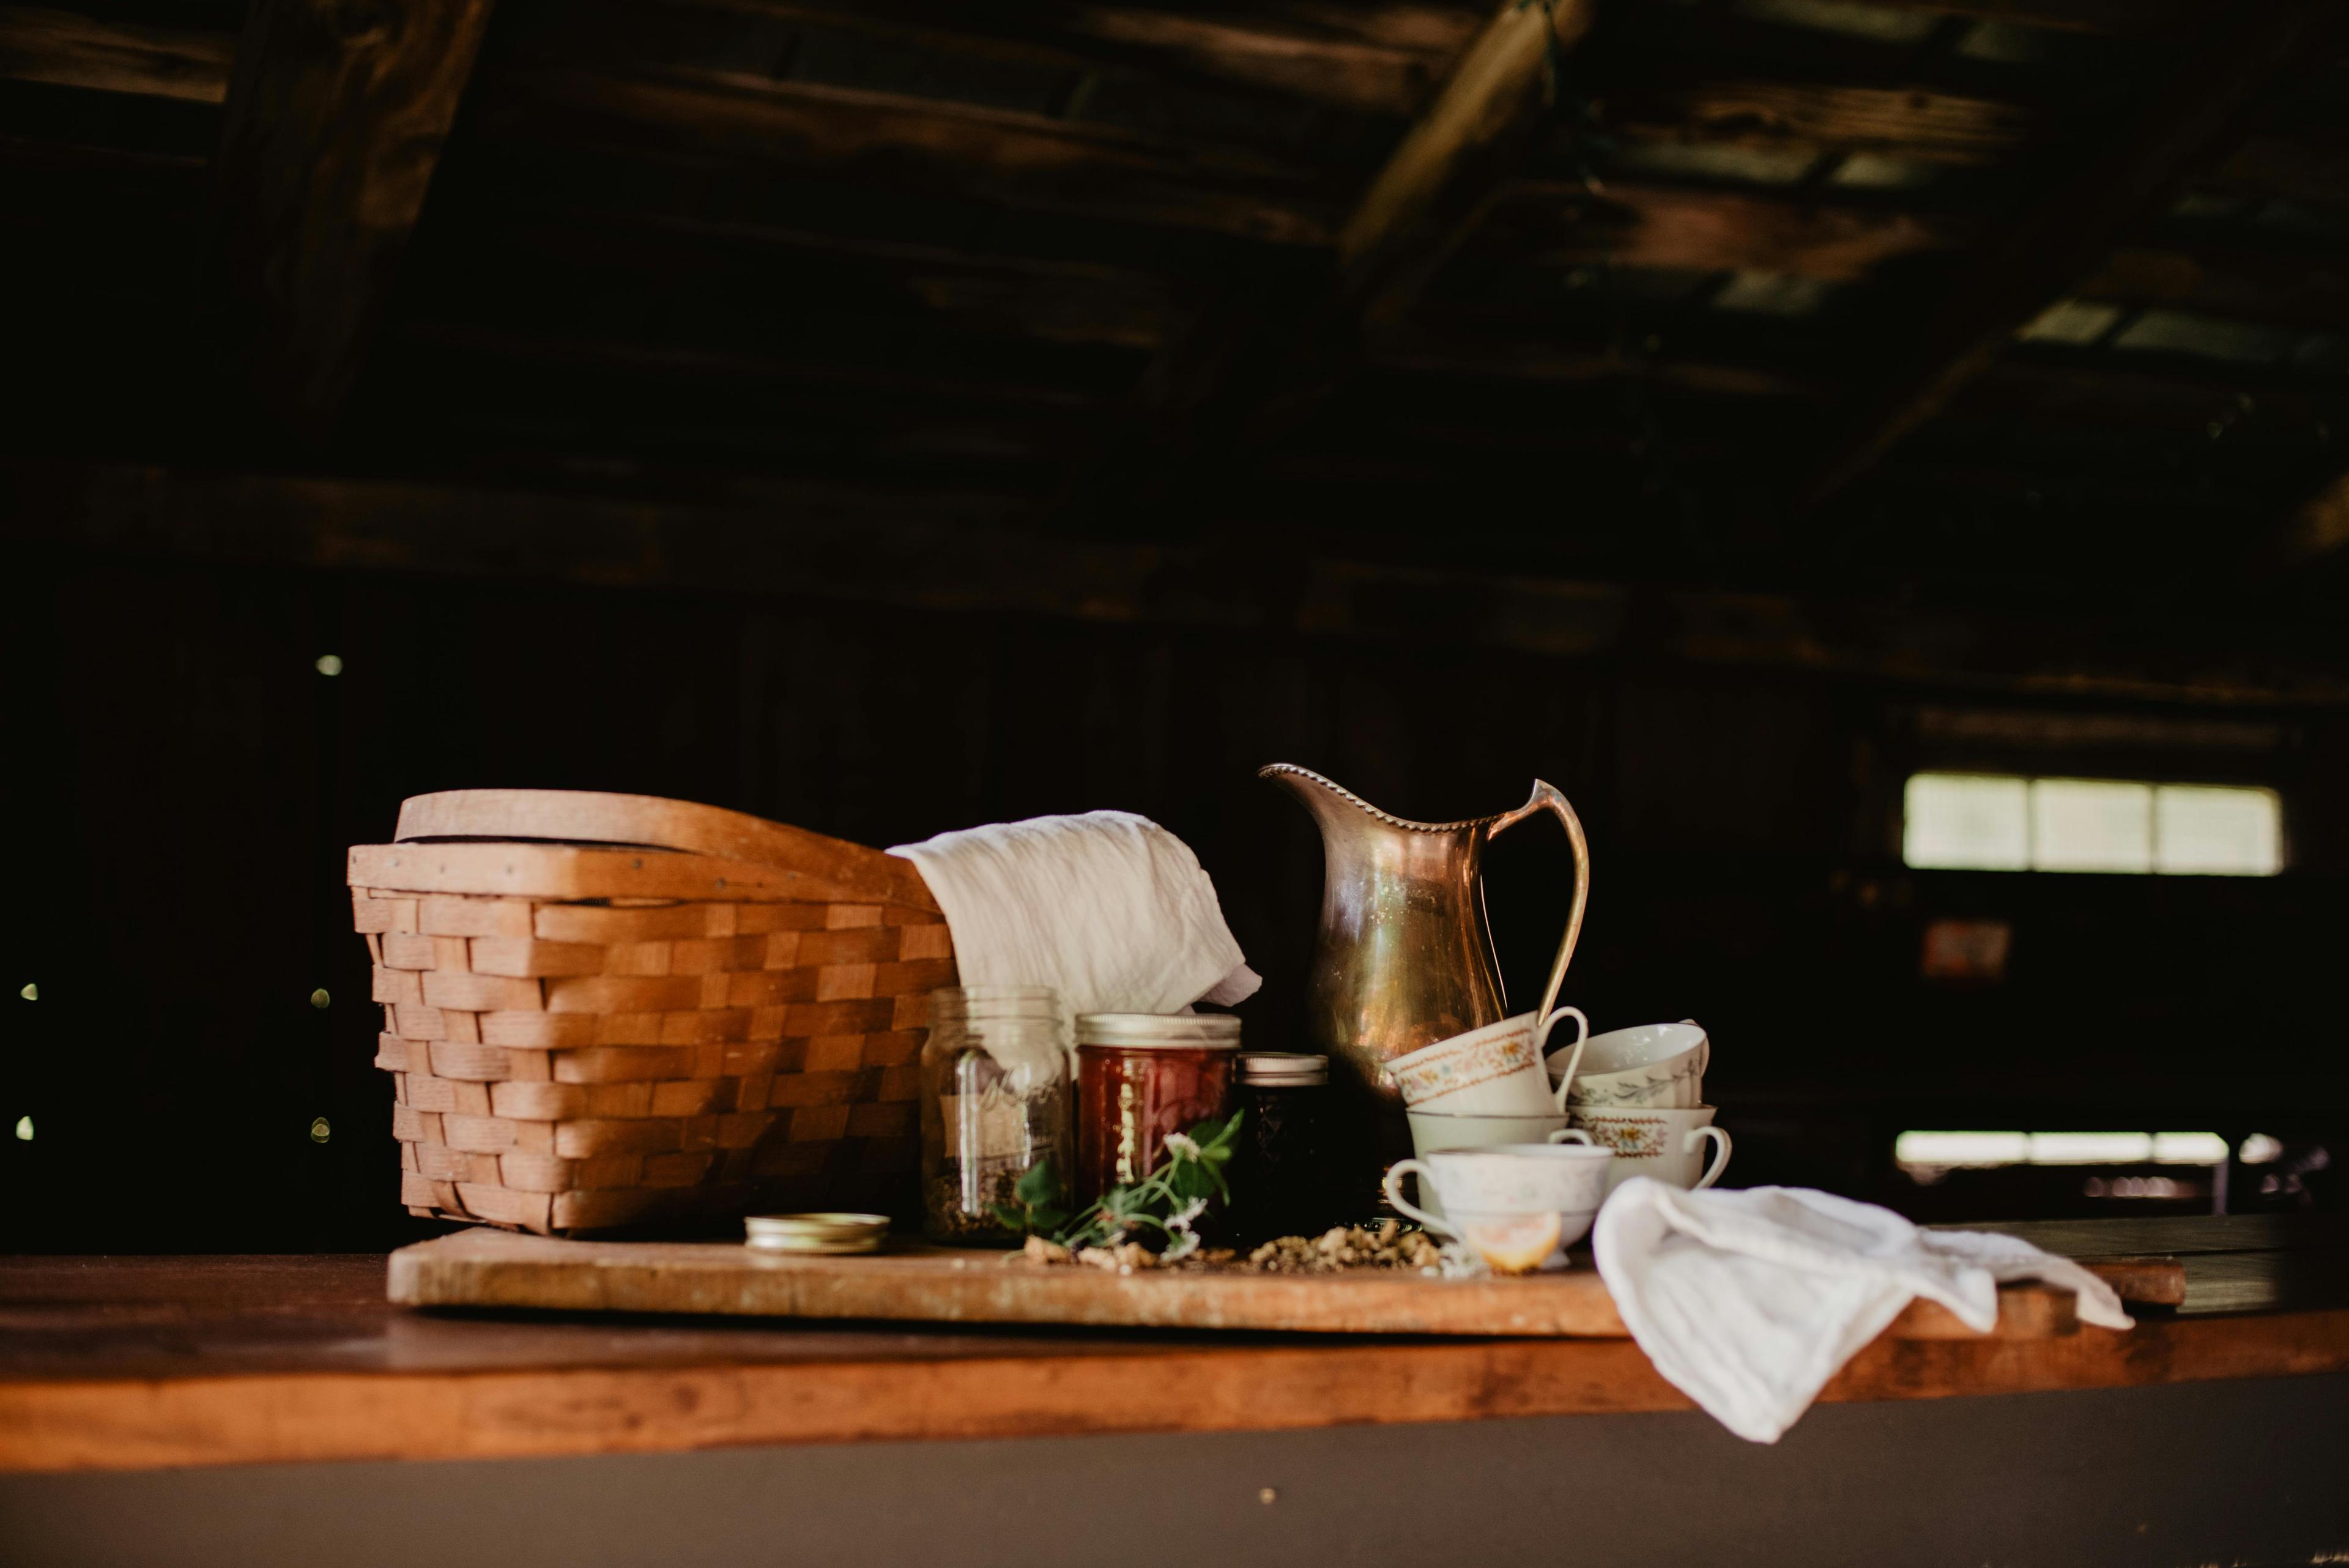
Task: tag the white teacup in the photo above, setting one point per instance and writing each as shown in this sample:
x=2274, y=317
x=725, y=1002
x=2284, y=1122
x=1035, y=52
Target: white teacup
x=1493, y=1071
x=1663, y=1143
x=1433, y=1132
x=1517, y=1206
x=1658, y=1065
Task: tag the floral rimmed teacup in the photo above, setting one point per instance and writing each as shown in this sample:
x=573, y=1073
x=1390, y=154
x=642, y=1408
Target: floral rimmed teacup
x=1493, y=1071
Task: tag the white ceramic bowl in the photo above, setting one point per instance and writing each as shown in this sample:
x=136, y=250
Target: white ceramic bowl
x=1659, y=1065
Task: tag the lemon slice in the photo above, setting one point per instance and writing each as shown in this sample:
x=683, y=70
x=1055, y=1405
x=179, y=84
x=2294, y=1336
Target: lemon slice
x=1513, y=1243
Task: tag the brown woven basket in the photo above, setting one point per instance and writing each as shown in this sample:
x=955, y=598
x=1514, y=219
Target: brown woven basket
x=606, y=1010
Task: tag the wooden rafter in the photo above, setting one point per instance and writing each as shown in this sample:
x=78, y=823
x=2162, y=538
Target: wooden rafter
x=335, y=120
x=67, y=49
x=1919, y=124
x=1376, y=59
x=1551, y=224
x=2063, y=240
x=2310, y=292
x=1018, y=158
x=1266, y=353
x=2061, y=15
x=863, y=544
x=1436, y=183
x=1432, y=191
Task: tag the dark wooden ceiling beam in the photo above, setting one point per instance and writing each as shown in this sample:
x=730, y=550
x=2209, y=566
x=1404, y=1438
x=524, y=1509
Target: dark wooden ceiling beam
x=1378, y=60
x=1263, y=357
x=1441, y=176
x=2245, y=53
x=548, y=356
x=67, y=49
x=1919, y=124
x=2309, y=291
x=2120, y=17
x=2310, y=165
x=1420, y=344
x=1555, y=224
x=335, y=120
x=947, y=550
x=1018, y=159
x=987, y=292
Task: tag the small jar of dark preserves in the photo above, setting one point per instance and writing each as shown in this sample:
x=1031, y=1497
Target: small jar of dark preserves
x=1283, y=1175
x=1141, y=1075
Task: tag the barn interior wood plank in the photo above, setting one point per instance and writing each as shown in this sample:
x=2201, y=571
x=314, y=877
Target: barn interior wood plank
x=336, y=117
x=2040, y=258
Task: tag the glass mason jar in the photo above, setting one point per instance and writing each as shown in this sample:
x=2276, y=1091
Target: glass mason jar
x=995, y=1104
x=1281, y=1174
x=1141, y=1075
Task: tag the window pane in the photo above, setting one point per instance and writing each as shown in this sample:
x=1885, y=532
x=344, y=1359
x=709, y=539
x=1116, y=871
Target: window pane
x=2217, y=832
x=1965, y=822
x=2091, y=824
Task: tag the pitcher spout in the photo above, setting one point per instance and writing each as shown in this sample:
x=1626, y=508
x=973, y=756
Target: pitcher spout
x=1331, y=804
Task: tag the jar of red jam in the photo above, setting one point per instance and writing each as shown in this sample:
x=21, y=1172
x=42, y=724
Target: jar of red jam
x=1141, y=1075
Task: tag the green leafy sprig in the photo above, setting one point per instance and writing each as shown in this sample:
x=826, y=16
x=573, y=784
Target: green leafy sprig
x=1167, y=1201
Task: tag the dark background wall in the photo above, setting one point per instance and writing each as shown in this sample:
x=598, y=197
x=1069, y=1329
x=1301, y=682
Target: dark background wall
x=183, y=783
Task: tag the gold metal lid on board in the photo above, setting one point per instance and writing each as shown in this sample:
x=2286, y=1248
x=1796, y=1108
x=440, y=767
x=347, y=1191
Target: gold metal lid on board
x=828, y=1233
x=1160, y=1030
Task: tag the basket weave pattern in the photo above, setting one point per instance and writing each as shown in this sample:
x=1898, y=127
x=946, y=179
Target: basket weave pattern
x=564, y=1065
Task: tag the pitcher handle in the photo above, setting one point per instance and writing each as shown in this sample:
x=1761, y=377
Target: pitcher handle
x=1548, y=797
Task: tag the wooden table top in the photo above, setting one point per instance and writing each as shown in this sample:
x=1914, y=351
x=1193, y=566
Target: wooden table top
x=116, y=1363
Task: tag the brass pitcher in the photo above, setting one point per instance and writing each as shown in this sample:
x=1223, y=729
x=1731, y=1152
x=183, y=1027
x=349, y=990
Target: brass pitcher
x=1404, y=956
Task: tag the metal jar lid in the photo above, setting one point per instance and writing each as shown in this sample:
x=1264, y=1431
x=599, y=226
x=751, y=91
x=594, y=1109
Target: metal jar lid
x=1160, y=1030
x=1292, y=1068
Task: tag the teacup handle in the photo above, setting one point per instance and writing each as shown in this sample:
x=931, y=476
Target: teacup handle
x=1395, y=1173
x=1572, y=1134
x=1548, y=797
x=1719, y=1154
x=1705, y=1048
x=1541, y=1048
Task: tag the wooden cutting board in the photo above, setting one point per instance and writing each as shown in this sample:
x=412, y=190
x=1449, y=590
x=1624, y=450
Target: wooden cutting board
x=494, y=1269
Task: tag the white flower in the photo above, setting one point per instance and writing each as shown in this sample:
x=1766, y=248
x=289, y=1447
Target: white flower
x=1180, y=1248
x=1181, y=1219
x=1182, y=1145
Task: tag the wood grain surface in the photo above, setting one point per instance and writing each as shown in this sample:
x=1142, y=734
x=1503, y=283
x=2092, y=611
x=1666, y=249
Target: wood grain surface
x=571, y=872
x=492, y=1269
x=593, y=816
x=134, y=1363
x=335, y=117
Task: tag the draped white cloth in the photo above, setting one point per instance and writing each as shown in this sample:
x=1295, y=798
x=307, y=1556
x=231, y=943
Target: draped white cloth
x=1109, y=909
x=1749, y=1300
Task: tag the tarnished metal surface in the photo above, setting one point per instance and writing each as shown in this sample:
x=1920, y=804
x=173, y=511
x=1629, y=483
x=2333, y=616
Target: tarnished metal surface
x=1405, y=957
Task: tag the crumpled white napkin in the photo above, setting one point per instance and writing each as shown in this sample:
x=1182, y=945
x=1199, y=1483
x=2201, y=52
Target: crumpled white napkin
x=1749, y=1300
x=1108, y=908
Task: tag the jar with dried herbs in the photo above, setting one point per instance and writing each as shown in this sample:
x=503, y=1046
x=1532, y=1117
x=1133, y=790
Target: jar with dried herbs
x=995, y=1105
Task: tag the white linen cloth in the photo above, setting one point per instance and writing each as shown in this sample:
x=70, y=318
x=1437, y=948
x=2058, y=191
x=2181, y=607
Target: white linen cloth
x=1108, y=908
x=1749, y=1300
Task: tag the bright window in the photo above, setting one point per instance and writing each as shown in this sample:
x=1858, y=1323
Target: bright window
x=1997, y=822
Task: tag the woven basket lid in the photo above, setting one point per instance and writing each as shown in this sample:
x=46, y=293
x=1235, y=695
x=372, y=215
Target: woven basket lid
x=591, y=817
